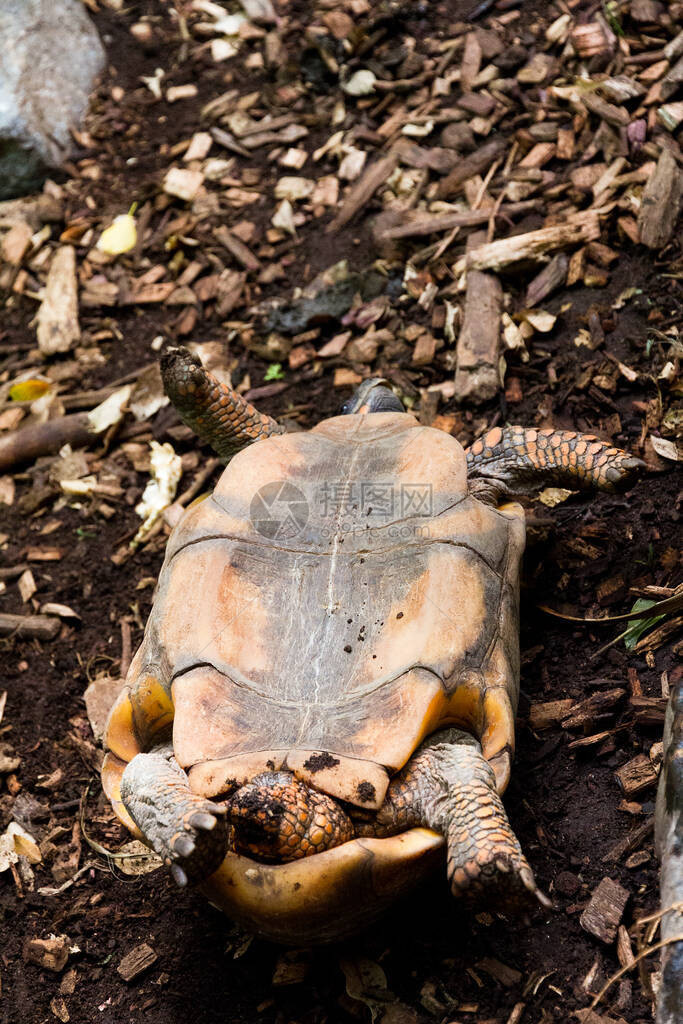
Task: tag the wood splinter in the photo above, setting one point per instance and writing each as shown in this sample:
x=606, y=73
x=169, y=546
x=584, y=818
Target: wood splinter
x=29, y=627
x=477, y=377
x=603, y=914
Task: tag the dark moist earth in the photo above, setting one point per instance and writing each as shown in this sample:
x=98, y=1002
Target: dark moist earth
x=566, y=807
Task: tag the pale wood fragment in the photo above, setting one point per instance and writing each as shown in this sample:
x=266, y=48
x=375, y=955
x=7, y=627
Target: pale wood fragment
x=58, y=328
x=477, y=377
x=660, y=203
x=548, y=713
x=137, y=961
x=51, y=953
x=420, y=224
x=237, y=248
x=475, y=163
x=533, y=245
x=603, y=914
x=636, y=775
x=183, y=183
x=16, y=242
x=365, y=188
x=29, y=627
x=624, y=949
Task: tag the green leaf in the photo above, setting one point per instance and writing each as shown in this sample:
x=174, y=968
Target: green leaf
x=274, y=372
x=613, y=16
x=638, y=627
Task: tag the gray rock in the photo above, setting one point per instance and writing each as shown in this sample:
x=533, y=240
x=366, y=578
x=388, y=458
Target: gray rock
x=51, y=53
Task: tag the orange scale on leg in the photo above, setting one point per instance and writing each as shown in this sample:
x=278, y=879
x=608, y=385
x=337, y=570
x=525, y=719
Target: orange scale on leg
x=460, y=878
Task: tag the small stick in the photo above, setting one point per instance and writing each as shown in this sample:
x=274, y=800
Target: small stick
x=429, y=224
x=12, y=571
x=29, y=627
x=126, y=648
x=670, y=604
x=516, y=1014
x=364, y=190
x=533, y=245
x=490, y=231
x=624, y=970
x=485, y=184
x=198, y=482
x=45, y=439
x=473, y=164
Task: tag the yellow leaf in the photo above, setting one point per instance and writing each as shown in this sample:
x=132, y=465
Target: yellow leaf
x=29, y=390
x=26, y=846
x=121, y=236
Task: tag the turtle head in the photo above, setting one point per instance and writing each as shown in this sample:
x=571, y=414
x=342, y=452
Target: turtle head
x=373, y=395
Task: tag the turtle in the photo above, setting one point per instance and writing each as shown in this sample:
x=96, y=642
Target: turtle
x=322, y=708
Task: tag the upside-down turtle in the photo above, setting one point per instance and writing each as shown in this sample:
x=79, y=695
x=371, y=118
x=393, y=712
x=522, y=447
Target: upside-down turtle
x=324, y=700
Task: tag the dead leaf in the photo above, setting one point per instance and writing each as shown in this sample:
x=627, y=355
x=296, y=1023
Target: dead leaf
x=135, y=858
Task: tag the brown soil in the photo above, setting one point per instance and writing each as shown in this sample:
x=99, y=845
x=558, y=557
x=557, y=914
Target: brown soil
x=564, y=807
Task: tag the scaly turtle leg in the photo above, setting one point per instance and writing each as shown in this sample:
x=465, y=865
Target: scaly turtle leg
x=188, y=832
x=449, y=787
x=221, y=417
x=516, y=459
x=215, y=412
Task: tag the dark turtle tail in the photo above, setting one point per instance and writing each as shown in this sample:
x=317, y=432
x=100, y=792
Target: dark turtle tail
x=215, y=412
x=276, y=817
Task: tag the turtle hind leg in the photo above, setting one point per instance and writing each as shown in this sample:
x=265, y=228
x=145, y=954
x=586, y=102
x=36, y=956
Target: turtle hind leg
x=215, y=412
x=515, y=459
x=188, y=832
x=449, y=787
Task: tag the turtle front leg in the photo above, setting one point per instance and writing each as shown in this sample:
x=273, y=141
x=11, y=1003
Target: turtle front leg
x=215, y=412
x=449, y=787
x=516, y=459
x=188, y=832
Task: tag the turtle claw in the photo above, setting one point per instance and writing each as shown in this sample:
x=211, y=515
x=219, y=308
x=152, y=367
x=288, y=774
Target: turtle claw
x=184, y=846
x=201, y=845
x=178, y=875
x=529, y=882
x=189, y=832
x=204, y=821
x=504, y=881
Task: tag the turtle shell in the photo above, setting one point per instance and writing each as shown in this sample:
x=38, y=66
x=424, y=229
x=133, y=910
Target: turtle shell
x=339, y=597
